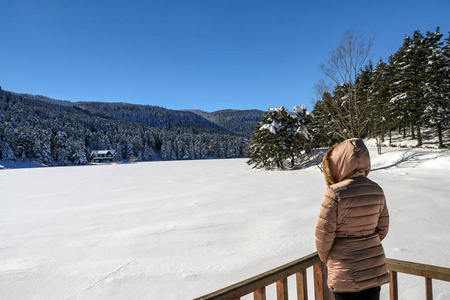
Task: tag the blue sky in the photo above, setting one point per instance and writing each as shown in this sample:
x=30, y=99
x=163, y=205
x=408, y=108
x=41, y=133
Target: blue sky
x=193, y=54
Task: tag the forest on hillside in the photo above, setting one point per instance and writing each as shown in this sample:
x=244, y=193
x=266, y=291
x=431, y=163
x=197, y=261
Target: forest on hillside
x=54, y=132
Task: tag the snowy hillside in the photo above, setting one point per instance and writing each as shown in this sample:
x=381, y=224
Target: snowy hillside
x=53, y=132
x=181, y=229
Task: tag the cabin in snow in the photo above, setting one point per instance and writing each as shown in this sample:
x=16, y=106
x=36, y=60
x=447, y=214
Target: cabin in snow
x=102, y=155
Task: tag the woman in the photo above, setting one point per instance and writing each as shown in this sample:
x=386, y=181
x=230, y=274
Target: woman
x=352, y=223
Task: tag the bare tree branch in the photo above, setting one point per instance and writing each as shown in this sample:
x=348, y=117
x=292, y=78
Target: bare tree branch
x=344, y=65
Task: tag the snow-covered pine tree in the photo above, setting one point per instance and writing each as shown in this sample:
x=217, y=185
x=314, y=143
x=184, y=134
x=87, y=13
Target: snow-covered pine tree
x=8, y=143
x=213, y=148
x=119, y=151
x=199, y=149
x=129, y=149
x=437, y=84
x=446, y=82
x=24, y=142
x=398, y=65
x=78, y=155
x=7, y=153
x=42, y=147
x=366, y=81
x=61, y=148
x=167, y=150
x=148, y=153
x=378, y=103
x=322, y=126
x=164, y=151
x=279, y=138
x=412, y=87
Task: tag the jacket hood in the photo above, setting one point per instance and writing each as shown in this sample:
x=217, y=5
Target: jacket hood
x=348, y=159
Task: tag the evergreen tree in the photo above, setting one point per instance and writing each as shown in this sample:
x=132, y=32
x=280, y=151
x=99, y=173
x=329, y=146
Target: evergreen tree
x=378, y=94
x=148, y=153
x=436, y=84
x=411, y=90
x=446, y=81
x=7, y=153
x=322, y=125
x=8, y=143
x=61, y=148
x=78, y=155
x=396, y=68
x=42, y=147
x=279, y=138
x=24, y=143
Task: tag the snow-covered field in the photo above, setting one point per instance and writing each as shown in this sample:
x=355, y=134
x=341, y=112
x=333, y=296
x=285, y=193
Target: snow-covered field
x=181, y=229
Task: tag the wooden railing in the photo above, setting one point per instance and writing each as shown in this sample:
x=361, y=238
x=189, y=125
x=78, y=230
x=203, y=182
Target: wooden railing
x=257, y=284
x=427, y=271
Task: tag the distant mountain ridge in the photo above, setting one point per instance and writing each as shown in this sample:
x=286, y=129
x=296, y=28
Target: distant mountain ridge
x=237, y=121
x=229, y=121
x=153, y=116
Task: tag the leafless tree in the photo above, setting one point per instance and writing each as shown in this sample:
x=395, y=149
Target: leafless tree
x=342, y=68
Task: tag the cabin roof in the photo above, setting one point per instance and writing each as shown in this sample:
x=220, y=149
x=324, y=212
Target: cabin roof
x=104, y=152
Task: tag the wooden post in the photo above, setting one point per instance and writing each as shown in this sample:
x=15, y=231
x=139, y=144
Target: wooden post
x=428, y=288
x=321, y=291
x=302, y=289
x=260, y=294
x=393, y=286
x=282, y=289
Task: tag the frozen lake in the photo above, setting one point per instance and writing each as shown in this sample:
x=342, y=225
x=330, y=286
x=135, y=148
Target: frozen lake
x=181, y=229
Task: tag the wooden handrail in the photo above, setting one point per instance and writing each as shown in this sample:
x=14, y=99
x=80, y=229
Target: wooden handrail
x=423, y=270
x=257, y=284
x=278, y=275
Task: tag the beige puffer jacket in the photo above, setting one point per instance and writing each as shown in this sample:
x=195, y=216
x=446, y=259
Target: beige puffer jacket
x=352, y=222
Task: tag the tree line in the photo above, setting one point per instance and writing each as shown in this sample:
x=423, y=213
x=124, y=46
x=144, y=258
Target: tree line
x=360, y=99
x=60, y=133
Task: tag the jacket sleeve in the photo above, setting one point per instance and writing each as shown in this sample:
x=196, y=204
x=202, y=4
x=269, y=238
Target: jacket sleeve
x=383, y=222
x=326, y=225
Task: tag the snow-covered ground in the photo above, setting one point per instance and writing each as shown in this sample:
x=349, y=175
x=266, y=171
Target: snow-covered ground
x=181, y=229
